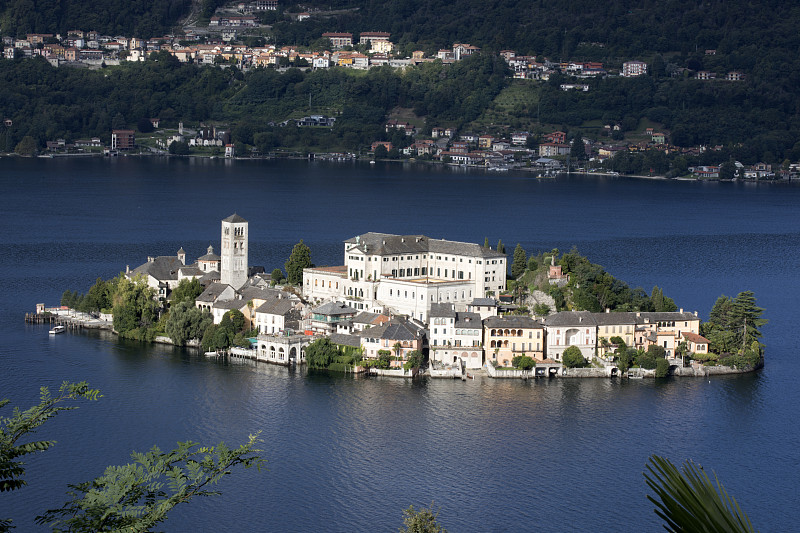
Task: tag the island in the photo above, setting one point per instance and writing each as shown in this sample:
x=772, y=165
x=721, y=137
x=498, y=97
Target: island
x=411, y=305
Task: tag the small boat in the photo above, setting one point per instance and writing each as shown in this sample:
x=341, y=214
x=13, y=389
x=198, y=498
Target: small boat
x=58, y=329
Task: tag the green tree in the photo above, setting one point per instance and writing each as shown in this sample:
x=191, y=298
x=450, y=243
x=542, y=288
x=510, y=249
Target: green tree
x=727, y=171
x=27, y=146
x=137, y=496
x=486, y=242
x=415, y=360
x=144, y=125
x=299, y=259
x=573, y=358
x=662, y=368
x=276, y=276
x=23, y=423
x=520, y=262
x=135, y=309
x=660, y=302
x=541, y=309
x=186, y=322
x=187, y=291
x=689, y=502
x=178, y=148
x=321, y=353
x=381, y=152
x=523, y=362
x=746, y=319
x=625, y=359
x=501, y=247
x=421, y=521
x=99, y=297
x=384, y=359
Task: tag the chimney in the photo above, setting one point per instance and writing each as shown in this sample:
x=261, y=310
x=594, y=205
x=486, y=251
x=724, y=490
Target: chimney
x=128, y=271
x=150, y=258
x=681, y=310
x=608, y=309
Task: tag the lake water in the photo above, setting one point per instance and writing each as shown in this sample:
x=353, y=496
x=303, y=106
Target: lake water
x=349, y=454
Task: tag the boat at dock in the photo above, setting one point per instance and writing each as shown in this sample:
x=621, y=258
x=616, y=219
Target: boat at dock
x=58, y=329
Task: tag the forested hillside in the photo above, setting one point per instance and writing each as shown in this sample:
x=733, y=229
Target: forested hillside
x=757, y=119
x=48, y=103
x=138, y=18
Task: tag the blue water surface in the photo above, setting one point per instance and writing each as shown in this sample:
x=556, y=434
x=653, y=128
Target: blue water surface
x=349, y=454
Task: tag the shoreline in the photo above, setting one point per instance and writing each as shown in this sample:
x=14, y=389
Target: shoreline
x=330, y=156
x=76, y=321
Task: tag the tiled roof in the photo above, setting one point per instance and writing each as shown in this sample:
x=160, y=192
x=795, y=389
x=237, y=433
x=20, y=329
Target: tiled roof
x=334, y=308
x=395, y=330
x=276, y=306
x=665, y=316
x=695, y=338
x=162, y=268
x=388, y=244
x=212, y=292
x=442, y=310
x=570, y=318
x=484, y=301
x=512, y=321
x=234, y=218
x=468, y=320
x=614, y=319
x=230, y=304
x=346, y=340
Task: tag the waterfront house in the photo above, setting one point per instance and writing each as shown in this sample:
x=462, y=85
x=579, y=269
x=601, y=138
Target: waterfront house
x=610, y=325
x=454, y=335
x=505, y=337
x=696, y=343
x=551, y=149
x=398, y=336
x=665, y=328
x=325, y=317
x=571, y=328
x=123, y=139
x=277, y=316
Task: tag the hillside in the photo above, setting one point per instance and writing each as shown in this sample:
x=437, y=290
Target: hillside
x=140, y=18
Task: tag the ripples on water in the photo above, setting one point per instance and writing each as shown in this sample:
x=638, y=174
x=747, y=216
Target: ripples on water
x=349, y=454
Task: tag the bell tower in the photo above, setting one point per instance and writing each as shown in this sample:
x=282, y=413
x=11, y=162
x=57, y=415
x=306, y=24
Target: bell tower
x=233, y=255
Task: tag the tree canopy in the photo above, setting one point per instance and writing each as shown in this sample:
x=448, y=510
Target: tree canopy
x=573, y=358
x=299, y=259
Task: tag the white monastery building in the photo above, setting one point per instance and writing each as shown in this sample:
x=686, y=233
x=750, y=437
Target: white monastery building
x=405, y=274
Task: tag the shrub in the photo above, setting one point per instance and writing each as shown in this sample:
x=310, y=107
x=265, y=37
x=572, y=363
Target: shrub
x=573, y=358
x=662, y=368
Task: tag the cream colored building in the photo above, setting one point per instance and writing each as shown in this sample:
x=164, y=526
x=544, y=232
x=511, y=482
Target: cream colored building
x=405, y=274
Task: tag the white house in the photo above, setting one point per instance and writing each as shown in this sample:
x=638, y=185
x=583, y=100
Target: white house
x=405, y=274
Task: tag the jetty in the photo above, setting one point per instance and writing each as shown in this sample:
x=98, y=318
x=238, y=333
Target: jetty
x=69, y=319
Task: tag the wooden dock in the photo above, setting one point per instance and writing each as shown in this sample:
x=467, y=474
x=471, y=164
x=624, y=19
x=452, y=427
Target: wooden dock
x=71, y=322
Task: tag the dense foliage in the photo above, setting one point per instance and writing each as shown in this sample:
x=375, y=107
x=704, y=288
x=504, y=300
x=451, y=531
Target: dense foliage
x=733, y=330
x=688, y=501
x=590, y=287
x=573, y=358
x=131, y=497
x=138, y=18
x=754, y=120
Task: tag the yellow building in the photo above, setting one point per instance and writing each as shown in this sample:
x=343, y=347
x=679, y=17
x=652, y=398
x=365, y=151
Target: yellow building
x=505, y=337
